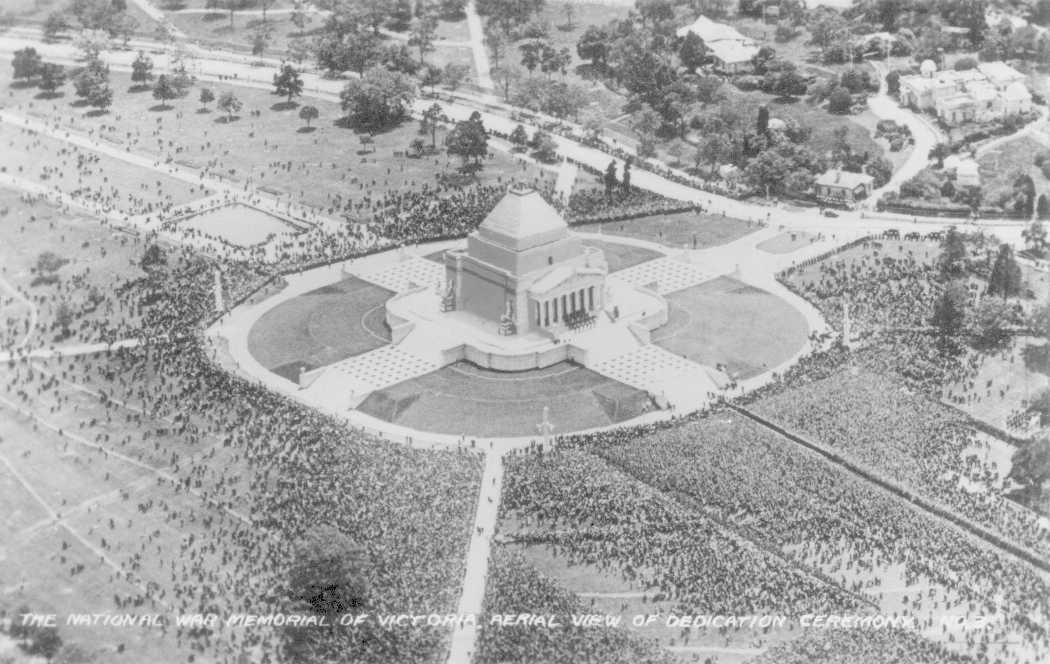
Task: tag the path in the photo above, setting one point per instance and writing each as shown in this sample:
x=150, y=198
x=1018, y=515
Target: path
x=477, y=47
x=471, y=601
x=87, y=348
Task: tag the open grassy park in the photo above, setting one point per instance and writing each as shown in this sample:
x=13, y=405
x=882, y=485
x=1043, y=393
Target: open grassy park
x=681, y=230
x=326, y=166
x=89, y=260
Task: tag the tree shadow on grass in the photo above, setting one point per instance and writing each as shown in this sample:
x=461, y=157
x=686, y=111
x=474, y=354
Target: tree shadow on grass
x=79, y=103
x=139, y=87
x=212, y=17
x=306, y=130
x=21, y=85
x=49, y=95
x=96, y=113
x=226, y=119
x=284, y=106
x=202, y=110
x=157, y=108
x=346, y=123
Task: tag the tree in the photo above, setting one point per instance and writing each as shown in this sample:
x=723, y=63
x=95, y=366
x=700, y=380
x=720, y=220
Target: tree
x=299, y=50
x=401, y=15
x=505, y=77
x=230, y=6
x=1031, y=462
x=329, y=572
x=26, y=63
x=496, y=43
x=692, y=52
x=422, y=36
x=308, y=114
x=468, y=139
x=593, y=45
x=19, y=631
x=763, y=120
x=544, y=147
x=142, y=70
x=154, y=256
x=46, y=640
x=1035, y=237
x=609, y=178
x=989, y=324
x=893, y=82
x=454, y=74
x=164, y=91
x=260, y=42
x=54, y=25
x=953, y=259
x=1005, y=279
x=531, y=55
x=52, y=77
x=519, y=137
x=378, y=99
x=207, y=97
x=299, y=16
x=432, y=118
x=840, y=101
x=625, y=181
x=229, y=104
x=508, y=13
x=287, y=82
x=949, y=312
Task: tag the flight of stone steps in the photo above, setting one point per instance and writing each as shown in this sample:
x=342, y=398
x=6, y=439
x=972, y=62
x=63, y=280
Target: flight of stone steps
x=681, y=382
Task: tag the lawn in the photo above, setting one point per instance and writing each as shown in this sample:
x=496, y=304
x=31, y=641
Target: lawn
x=321, y=327
x=725, y=322
x=787, y=242
x=92, y=177
x=326, y=167
x=98, y=260
x=239, y=224
x=1004, y=383
x=465, y=399
x=697, y=230
x=622, y=256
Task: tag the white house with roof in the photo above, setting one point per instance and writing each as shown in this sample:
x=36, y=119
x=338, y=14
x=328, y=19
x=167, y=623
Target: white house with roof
x=731, y=51
x=991, y=91
x=839, y=187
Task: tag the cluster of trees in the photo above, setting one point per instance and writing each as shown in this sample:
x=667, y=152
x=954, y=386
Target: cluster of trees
x=959, y=315
x=110, y=16
x=39, y=640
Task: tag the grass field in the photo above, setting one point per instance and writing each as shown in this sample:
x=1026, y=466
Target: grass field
x=321, y=327
x=787, y=242
x=1004, y=383
x=98, y=260
x=681, y=230
x=1001, y=165
x=465, y=399
x=726, y=322
x=327, y=167
x=239, y=224
x=92, y=177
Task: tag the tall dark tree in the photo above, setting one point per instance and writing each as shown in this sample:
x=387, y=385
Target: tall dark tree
x=593, y=45
x=1005, y=279
x=142, y=70
x=164, y=91
x=693, y=51
x=609, y=178
x=625, y=181
x=763, y=120
x=953, y=259
x=949, y=314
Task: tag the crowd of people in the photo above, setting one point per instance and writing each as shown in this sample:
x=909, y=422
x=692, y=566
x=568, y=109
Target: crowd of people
x=721, y=469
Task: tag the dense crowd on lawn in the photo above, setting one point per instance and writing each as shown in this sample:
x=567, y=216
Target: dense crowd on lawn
x=758, y=486
x=265, y=471
x=514, y=587
x=912, y=440
x=883, y=646
x=594, y=514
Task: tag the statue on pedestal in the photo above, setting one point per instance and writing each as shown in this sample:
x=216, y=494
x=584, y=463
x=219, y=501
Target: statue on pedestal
x=448, y=300
x=508, y=323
